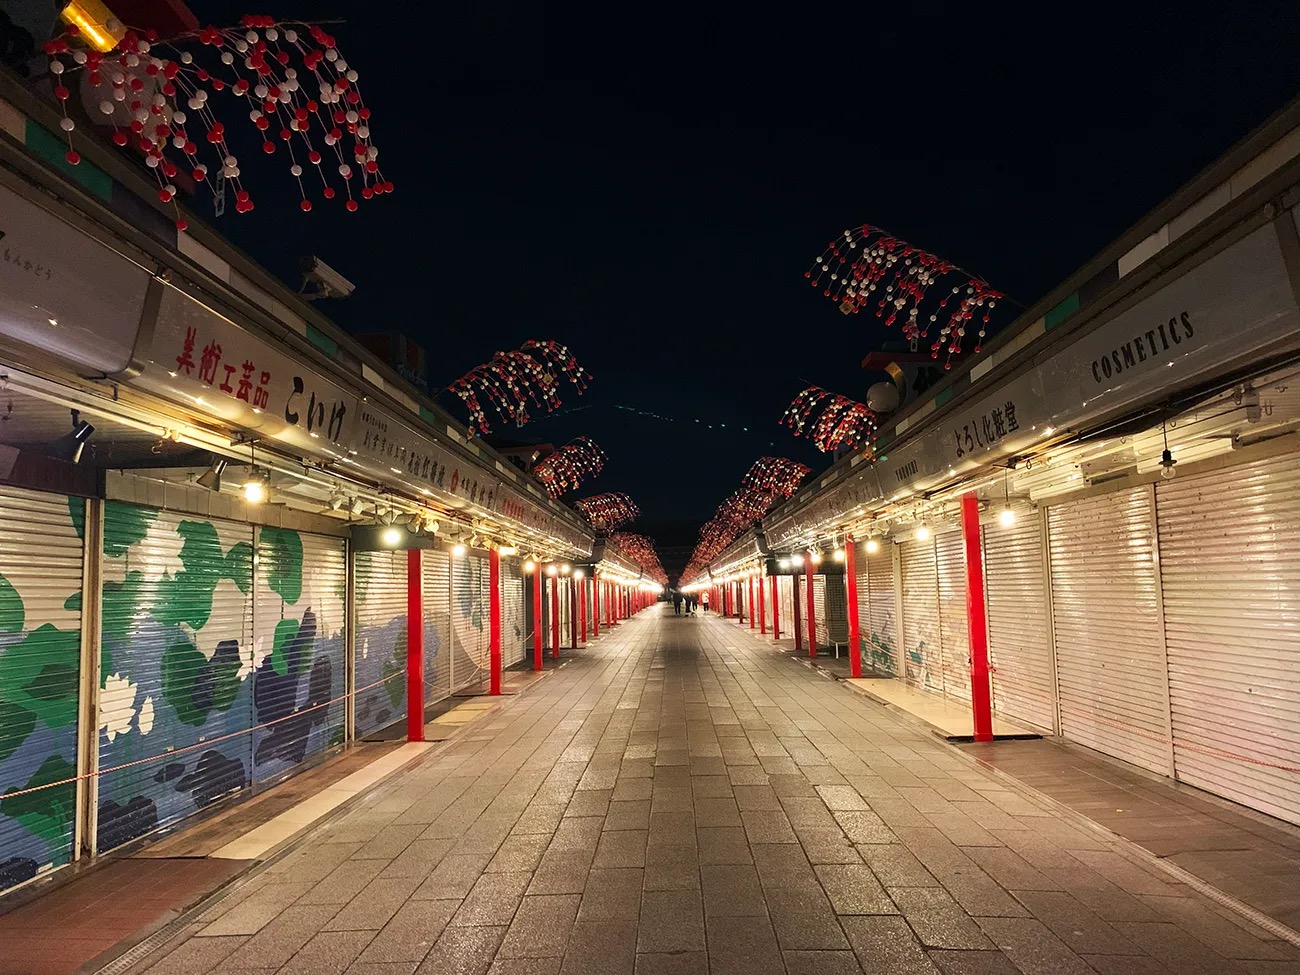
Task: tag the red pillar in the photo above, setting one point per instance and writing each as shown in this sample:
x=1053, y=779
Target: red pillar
x=812, y=608
x=750, y=605
x=414, y=647
x=776, y=612
x=976, y=621
x=537, y=616
x=609, y=604
x=555, y=617
x=851, y=584
x=762, y=609
x=582, y=609
x=573, y=612
x=798, y=615
x=494, y=622
x=595, y=605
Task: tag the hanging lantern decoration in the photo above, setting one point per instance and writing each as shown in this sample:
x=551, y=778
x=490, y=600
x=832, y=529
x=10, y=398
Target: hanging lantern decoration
x=301, y=97
x=510, y=381
x=641, y=550
x=569, y=466
x=840, y=422
x=608, y=511
x=867, y=267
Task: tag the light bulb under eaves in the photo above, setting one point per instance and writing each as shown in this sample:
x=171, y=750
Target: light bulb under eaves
x=255, y=489
x=922, y=532
x=873, y=546
x=391, y=536
x=1167, y=463
x=1006, y=517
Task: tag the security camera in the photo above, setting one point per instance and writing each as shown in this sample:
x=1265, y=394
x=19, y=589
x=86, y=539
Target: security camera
x=329, y=283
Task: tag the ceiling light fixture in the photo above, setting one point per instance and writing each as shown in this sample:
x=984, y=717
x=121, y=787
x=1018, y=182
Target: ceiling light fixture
x=1167, y=461
x=211, y=478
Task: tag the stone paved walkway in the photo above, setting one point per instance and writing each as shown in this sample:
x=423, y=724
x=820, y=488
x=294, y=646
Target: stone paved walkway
x=680, y=799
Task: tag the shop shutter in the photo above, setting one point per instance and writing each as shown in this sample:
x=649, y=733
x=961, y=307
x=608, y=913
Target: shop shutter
x=1019, y=628
x=880, y=636
x=921, y=615
x=379, y=579
x=299, y=624
x=435, y=568
x=785, y=592
x=819, y=606
x=837, y=611
x=181, y=668
x=41, y=557
x=513, y=631
x=1109, y=662
x=469, y=621
x=864, y=604
x=950, y=558
x=1230, y=569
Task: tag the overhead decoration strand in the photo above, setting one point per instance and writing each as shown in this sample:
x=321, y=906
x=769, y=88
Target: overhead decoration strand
x=510, y=381
x=569, y=466
x=608, y=511
x=840, y=421
x=297, y=90
x=641, y=550
x=768, y=481
x=867, y=267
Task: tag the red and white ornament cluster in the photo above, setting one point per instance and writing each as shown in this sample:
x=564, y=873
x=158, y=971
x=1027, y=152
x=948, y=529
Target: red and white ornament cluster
x=509, y=381
x=768, y=481
x=569, y=466
x=842, y=422
x=299, y=92
x=609, y=510
x=641, y=550
x=867, y=267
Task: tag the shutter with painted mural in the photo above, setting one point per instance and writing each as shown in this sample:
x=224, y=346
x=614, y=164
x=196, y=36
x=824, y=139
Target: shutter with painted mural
x=864, y=603
x=819, y=608
x=1109, y=660
x=469, y=620
x=880, y=636
x=921, y=646
x=950, y=557
x=1230, y=571
x=379, y=579
x=514, y=634
x=785, y=592
x=435, y=566
x=1020, y=631
x=300, y=628
x=180, y=668
x=41, y=557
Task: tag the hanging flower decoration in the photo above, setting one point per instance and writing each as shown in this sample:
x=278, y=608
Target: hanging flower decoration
x=608, y=511
x=641, y=550
x=510, y=381
x=768, y=481
x=299, y=93
x=868, y=267
x=569, y=466
x=842, y=422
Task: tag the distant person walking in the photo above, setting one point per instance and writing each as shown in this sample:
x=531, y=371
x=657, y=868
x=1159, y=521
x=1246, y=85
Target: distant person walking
x=704, y=600
x=677, y=603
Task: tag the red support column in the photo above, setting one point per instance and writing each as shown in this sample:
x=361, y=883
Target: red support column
x=582, y=609
x=596, y=583
x=555, y=616
x=537, y=616
x=414, y=647
x=494, y=621
x=609, y=604
x=776, y=612
x=798, y=615
x=750, y=605
x=976, y=621
x=812, y=608
x=851, y=584
x=762, y=609
x=573, y=612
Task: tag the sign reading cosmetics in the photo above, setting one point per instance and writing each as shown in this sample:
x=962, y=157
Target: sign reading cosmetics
x=203, y=361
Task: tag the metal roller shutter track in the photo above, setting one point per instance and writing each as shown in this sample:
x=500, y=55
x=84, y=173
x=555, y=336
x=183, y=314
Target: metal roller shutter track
x=380, y=643
x=921, y=615
x=950, y=556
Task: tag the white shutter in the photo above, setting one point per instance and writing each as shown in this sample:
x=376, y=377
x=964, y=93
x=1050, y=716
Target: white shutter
x=469, y=620
x=380, y=641
x=435, y=567
x=300, y=584
x=836, y=611
x=1230, y=568
x=819, y=607
x=41, y=556
x=921, y=615
x=1019, y=628
x=950, y=556
x=513, y=629
x=1109, y=661
x=785, y=592
x=880, y=638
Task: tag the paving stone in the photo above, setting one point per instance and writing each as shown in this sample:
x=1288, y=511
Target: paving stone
x=562, y=872
x=197, y=956
x=732, y=891
x=806, y=811
x=804, y=919
x=864, y=826
x=630, y=789
x=887, y=944
x=371, y=909
x=454, y=877
x=671, y=921
x=591, y=802
x=411, y=933
x=524, y=966
x=973, y=963
x=821, y=963
x=719, y=811
x=328, y=952
x=674, y=963
x=743, y=946
x=937, y=919
x=1076, y=925
x=540, y=928
x=723, y=844
x=601, y=947
x=492, y=900
x=671, y=876
x=838, y=797
x=283, y=938
x=827, y=844
x=612, y=895
x=629, y=814
x=621, y=848
x=854, y=889
x=767, y=826
x=711, y=787
x=463, y=951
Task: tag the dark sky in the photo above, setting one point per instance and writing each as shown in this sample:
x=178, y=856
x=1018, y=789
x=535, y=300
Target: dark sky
x=648, y=186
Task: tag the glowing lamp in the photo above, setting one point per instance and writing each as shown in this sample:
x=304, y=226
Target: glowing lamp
x=98, y=26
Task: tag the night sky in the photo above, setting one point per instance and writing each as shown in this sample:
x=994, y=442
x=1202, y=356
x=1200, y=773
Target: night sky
x=649, y=186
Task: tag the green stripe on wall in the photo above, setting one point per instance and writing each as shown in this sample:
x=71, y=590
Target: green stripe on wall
x=53, y=150
x=322, y=341
x=427, y=416
x=1061, y=312
x=942, y=396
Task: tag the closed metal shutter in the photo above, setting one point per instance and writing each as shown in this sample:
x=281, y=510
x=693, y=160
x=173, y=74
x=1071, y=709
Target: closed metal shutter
x=435, y=571
x=1019, y=628
x=380, y=641
x=469, y=620
x=41, y=558
x=880, y=637
x=950, y=557
x=299, y=617
x=785, y=591
x=921, y=615
x=1109, y=663
x=864, y=604
x=513, y=631
x=837, y=611
x=180, y=667
x=819, y=614
x=1230, y=567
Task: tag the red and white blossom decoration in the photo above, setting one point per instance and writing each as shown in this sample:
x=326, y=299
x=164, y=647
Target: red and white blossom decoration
x=641, y=550
x=509, y=381
x=297, y=90
x=775, y=475
x=569, y=466
x=608, y=511
x=867, y=267
x=842, y=422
